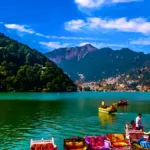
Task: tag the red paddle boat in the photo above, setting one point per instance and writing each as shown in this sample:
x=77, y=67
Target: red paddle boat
x=122, y=102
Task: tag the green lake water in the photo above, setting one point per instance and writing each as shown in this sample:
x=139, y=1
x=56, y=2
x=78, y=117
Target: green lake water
x=61, y=115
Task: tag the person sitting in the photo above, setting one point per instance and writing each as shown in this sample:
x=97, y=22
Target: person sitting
x=103, y=105
x=113, y=107
x=133, y=125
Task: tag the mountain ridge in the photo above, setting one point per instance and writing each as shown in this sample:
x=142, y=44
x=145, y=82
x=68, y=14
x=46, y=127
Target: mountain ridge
x=69, y=53
x=98, y=63
x=52, y=55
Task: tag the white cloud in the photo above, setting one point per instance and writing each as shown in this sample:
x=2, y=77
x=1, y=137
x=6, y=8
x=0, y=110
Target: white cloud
x=75, y=38
x=84, y=43
x=53, y=44
x=101, y=45
x=144, y=41
x=125, y=1
x=26, y=29
x=39, y=34
x=89, y=3
x=139, y=25
x=20, y=28
x=75, y=25
x=69, y=37
x=98, y=3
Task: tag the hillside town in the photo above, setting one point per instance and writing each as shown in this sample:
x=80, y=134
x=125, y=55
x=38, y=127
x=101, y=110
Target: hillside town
x=124, y=82
x=103, y=86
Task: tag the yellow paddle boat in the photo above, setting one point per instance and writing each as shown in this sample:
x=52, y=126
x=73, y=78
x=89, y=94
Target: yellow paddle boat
x=110, y=109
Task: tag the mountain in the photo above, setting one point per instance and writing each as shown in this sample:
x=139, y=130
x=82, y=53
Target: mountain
x=62, y=54
x=26, y=69
x=91, y=64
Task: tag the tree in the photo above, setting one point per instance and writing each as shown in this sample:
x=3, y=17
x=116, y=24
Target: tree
x=87, y=88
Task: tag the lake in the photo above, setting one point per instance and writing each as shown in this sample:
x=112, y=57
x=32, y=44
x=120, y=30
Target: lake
x=61, y=115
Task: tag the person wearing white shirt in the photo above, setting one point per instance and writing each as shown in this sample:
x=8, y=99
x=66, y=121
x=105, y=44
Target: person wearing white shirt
x=139, y=125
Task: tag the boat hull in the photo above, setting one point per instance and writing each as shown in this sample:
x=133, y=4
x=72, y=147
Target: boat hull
x=105, y=110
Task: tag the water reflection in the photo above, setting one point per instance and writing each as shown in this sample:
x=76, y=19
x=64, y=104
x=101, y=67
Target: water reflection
x=123, y=108
x=106, y=118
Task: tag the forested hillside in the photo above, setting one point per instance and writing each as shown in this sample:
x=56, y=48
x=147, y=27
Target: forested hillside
x=26, y=69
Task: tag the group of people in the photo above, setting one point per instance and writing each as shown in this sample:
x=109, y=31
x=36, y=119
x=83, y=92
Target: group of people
x=137, y=124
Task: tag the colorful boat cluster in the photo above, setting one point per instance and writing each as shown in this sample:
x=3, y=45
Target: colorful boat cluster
x=131, y=140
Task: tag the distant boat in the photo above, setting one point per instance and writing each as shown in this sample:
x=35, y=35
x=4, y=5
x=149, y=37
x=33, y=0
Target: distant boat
x=122, y=102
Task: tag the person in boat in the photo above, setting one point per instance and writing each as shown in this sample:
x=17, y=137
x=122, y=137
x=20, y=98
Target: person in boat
x=103, y=105
x=113, y=108
x=139, y=125
x=133, y=125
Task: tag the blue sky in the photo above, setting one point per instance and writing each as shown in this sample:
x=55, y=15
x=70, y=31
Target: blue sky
x=49, y=24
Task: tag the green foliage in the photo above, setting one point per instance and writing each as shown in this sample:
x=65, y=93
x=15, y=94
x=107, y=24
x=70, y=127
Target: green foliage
x=87, y=89
x=110, y=87
x=25, y=69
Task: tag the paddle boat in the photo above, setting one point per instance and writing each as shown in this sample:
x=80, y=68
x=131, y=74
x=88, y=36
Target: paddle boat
x=43, y=144
x=74, y=143
x=142, y=143
x=133, y=134
x=111, y=109
x=122, y=103
x=118, y=141
x=97, y=143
